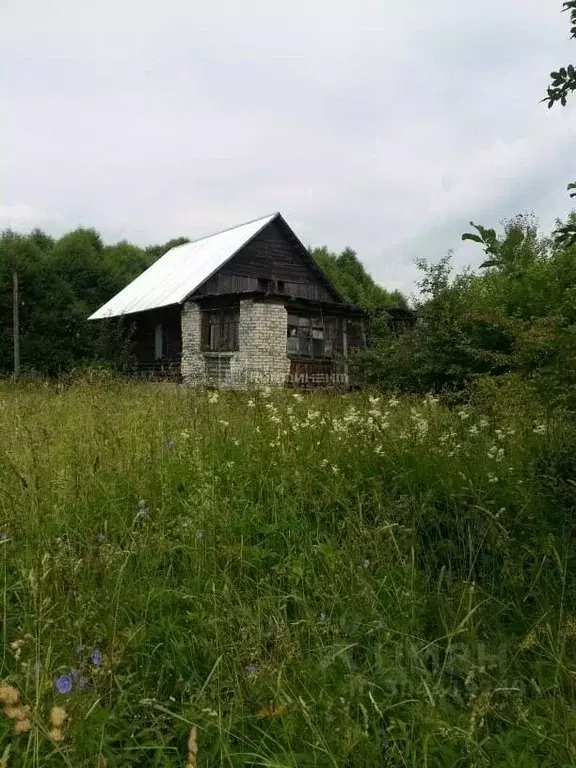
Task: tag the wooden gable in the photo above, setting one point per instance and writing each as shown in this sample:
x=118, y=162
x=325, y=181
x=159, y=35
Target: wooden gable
x=273, y=261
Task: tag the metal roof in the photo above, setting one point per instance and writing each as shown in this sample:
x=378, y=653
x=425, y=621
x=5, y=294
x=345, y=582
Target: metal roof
x=180, y=271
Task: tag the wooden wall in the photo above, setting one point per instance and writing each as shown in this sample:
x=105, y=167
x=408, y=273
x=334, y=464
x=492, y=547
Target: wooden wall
x=273, y=255
x=142, y=336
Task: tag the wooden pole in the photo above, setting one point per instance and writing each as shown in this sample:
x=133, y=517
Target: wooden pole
x=345, y=352
x=16, y=324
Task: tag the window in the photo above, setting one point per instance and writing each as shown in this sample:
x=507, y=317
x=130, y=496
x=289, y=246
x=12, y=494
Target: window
x=158, y=342
x=220, y=329
x=307, y=337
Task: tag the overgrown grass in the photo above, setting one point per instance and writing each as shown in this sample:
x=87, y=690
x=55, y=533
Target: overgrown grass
x=318, y=581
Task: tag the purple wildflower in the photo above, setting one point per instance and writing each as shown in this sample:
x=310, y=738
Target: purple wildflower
x=83, y=684
x=64, y=684
x=96, y=657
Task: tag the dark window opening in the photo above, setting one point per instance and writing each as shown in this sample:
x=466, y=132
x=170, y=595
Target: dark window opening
x=311, y=337
x=263, y=284
x=220, y=329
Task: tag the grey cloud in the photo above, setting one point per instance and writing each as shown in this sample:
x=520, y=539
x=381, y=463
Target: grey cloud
x=381, y=126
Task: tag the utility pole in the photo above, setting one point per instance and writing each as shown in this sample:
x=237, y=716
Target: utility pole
x=16, y=324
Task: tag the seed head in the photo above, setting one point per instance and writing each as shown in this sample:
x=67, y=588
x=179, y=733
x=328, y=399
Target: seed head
x=9, y=695
x=56, y=735
x=22, y=726
x=192, y=747
x=15, y=713
x=57, y=716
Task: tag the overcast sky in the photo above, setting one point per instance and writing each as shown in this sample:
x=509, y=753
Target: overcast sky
x=383, y=125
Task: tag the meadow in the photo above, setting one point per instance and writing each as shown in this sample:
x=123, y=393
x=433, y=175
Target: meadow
x=284, y=580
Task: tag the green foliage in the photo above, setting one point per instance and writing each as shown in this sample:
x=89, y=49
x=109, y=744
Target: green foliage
x=61, y=283
x=321, y=581
x=516, y=316
x=562, y=85
x=348, y=275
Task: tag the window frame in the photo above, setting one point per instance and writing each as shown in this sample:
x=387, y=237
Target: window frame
x=312, y=340
x=220, y=329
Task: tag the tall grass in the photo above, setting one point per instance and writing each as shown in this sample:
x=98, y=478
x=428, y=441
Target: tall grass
x=320, y=581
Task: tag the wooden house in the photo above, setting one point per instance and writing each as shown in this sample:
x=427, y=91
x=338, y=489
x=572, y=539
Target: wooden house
x=245, y=307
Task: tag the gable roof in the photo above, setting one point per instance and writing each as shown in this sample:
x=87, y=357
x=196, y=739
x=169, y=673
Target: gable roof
x=183, y=269
x=177, y=274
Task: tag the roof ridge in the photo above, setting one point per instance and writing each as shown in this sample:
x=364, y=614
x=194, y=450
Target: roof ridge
x=229, y=229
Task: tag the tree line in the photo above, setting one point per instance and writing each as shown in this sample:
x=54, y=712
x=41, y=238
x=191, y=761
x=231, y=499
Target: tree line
x=63, y=280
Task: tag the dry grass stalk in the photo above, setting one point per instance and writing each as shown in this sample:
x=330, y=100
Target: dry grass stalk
x=192, y=748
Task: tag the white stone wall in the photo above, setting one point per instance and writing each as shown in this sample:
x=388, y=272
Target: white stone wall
x=192, y=366
x=261, y=359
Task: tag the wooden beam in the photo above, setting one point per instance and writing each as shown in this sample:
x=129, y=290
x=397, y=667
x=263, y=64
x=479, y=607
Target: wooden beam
x=16, y=324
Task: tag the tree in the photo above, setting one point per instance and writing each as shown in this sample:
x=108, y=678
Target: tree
x=562, y=85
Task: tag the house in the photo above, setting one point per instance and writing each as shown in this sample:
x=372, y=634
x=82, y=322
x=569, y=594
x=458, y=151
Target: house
x=244, y=307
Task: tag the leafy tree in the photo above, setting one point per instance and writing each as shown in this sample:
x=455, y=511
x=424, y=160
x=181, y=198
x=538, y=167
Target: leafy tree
x=62, y=281
x=563, y=83
x=517, y=315
x=349, y=276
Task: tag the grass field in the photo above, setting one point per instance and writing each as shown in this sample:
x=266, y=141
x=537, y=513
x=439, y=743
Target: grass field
x=308, y=581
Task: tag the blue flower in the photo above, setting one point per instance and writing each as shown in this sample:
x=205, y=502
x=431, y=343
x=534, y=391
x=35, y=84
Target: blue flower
x=64, y=684
x=96, y=657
